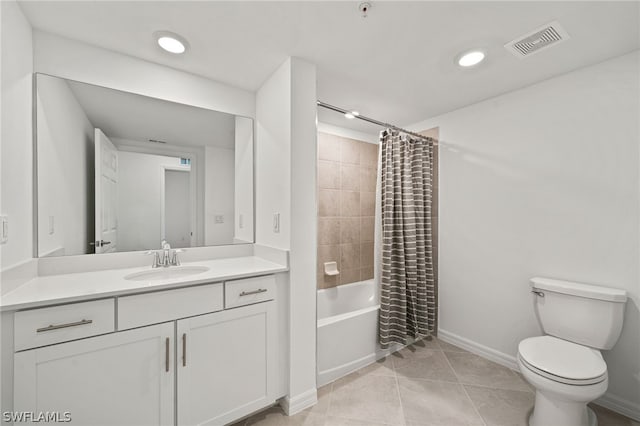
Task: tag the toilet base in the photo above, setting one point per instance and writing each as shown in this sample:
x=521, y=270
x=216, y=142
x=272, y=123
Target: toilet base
x=553, y=411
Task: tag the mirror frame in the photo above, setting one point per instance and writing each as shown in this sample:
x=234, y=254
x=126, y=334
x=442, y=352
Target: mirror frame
x=34, y=175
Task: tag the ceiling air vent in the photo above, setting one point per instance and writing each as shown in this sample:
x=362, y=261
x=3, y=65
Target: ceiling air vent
x=537, y=40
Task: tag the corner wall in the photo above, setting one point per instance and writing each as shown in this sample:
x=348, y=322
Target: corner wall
x=543, y=181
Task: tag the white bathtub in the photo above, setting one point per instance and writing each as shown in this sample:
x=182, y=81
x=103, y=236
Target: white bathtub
x=347, y=330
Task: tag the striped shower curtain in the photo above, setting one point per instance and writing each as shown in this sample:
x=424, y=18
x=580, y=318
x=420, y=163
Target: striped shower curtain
x=408, y=294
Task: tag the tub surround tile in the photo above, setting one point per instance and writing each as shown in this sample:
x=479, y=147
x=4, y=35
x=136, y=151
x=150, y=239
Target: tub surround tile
x=366, y=254
x=348, y=276
x=368, y=398
x=350, y=177
x=328, y=147
x=367, y=204
x=349, y=151
x=428, y=402
x=350, y=230
x=472, y=369
x=500, y=407
x=349, y=204
x=366, y=273
x=328, y=203
x=367, y=179
x=369, y=154
x=367, y=228
x=328, y=175
x=350, y=256
x=328, y=231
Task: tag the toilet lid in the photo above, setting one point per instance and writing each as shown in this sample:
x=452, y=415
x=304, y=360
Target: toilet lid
x=565, y=361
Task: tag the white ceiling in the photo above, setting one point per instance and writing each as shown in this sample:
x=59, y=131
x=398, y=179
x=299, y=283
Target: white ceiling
x=397, y=65
x=123, y=115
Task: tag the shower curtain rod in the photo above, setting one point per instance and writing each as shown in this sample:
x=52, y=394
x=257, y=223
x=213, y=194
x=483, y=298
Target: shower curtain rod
x=371, y=120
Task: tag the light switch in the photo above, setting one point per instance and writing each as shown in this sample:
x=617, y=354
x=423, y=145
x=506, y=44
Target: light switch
x=4, y=229
x=276, y=223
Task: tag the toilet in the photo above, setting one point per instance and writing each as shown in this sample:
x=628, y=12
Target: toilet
x=565, y=365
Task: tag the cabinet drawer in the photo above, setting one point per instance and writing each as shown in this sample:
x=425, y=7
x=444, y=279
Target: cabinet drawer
x=46, y=326
x=248, y=291
x=168, y=305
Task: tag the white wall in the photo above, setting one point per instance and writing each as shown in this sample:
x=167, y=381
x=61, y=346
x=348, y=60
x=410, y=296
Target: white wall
x=140, y=195
x=243, y=203
x=219, y=195
x=286, y=154
x=543, y=181
x=16, y=147
x=65, y=173
x=75, y=60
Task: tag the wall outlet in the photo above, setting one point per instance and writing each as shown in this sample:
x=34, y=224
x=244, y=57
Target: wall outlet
x=276, y=223
x=4, y=229
x=219, y=218
x=52, y=228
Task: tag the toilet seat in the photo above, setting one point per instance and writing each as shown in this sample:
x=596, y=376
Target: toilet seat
x=562, y=361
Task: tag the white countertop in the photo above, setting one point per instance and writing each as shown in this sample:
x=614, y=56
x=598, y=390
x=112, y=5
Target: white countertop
x=65, y=288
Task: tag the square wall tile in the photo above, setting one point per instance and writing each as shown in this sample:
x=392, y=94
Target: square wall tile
x=328, y=147
x=366, y=254
x=366, y=273
x=368, y=179
x=349, y=151
x=369, y=154
x=348, y=276
x=328, y=230
x=328, y=175
x=367, y=203
x=349, y=204
x=328, y=203
x=350, y=177
x=350, y=230
x=367, y=229
x=350, y=256
x=328, y=253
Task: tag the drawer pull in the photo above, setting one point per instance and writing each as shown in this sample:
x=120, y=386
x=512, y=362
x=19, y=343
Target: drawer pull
x=249, y=293
x=166, y=355
x=59, y=326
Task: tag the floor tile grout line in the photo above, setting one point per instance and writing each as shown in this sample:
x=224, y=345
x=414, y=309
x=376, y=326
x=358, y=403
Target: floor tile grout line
x=475, y=409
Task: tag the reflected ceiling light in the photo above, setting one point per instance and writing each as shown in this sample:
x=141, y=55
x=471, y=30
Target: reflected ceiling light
x=351, y=115
x=171, y=42
x=471, y=58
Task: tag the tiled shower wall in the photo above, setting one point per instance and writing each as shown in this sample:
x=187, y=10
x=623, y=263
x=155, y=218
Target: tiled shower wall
x=346, y=207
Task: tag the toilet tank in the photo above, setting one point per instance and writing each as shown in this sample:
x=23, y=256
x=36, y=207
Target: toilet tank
x=581, y=313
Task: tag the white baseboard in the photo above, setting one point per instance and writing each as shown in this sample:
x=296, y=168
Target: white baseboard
x=610, y=401
x=498, y=357
x=620, y=405
x=293, y=405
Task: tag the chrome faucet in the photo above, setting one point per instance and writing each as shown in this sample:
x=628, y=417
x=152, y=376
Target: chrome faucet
x=165, y=257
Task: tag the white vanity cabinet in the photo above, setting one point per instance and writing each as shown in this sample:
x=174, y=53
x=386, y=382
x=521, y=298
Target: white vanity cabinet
x=183, y=356
x=119, y=378
x=225, y=363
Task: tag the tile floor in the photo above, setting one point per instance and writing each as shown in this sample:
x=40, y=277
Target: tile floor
x=426, y=384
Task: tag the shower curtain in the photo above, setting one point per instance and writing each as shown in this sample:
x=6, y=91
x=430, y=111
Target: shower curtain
x=408, y=306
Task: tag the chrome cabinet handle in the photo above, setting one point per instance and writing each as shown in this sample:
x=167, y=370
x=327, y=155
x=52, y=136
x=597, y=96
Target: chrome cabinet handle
x=166, y=354
x=537, y=293
x=184, y=349
x=59, y=326
x=249, y=293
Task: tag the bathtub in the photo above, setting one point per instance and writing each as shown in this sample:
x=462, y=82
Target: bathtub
x=347, y=330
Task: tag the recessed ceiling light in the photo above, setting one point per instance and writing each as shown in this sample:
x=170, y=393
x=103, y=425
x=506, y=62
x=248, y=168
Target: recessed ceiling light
x=471, y=58
x=171, y=42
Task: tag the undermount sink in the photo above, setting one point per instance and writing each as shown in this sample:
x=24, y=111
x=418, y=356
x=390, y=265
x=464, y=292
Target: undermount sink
x=172, y=272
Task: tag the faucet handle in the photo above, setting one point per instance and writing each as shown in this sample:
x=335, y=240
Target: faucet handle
x=174, y=258
x=156, y=257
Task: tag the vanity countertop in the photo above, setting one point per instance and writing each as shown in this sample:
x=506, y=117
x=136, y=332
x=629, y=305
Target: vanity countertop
x=74, y=287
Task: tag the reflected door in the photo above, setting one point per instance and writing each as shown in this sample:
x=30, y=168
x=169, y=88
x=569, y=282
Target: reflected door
x=106, y=202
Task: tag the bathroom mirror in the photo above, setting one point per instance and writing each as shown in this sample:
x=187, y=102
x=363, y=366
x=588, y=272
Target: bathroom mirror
x=118, y=171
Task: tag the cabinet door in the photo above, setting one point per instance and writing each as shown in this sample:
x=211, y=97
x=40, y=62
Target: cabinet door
x=117, y=379
x=225, y=364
